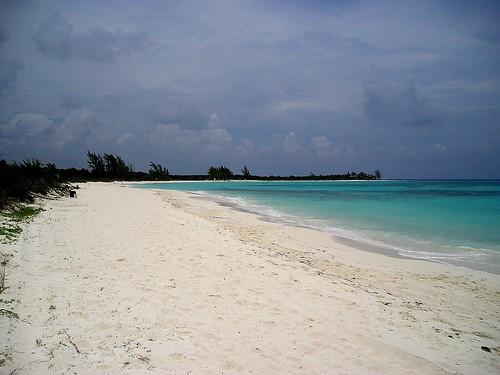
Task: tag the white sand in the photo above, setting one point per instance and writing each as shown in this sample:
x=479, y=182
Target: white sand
x=124, y=280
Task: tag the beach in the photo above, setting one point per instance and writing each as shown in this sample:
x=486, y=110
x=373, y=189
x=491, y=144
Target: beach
x=123, y=280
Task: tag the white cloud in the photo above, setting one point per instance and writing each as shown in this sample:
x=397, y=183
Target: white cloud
x=125, y=138
x=246, y=148
x=213, y=120
x=323, y=147
x=220, y=136
x=193, y=141
x=291, y=145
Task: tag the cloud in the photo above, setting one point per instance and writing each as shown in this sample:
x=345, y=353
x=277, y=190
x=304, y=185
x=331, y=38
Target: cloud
x=213, y=121
x=26, y=125
x=9, y=70
x=54, y=38
x=57, y=39
x=203, y=143
x=100, y=45
x=323, y=147
x=297, y=106
x=44, y=136
x=320, y=38
x=219, y=137
x=78, y=126
x=283, y=89
x=125, y=138
x=313, y=40
x=166, y=106
x=245, y=149
x=400, y=107
x=489, y=36
x=291, y=145
x=3, y=35
x=439, y=147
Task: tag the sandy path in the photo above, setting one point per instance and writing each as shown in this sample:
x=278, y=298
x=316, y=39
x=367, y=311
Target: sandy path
x=124, y=280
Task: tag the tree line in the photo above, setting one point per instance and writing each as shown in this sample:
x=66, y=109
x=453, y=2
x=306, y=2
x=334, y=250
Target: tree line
x=24, y=181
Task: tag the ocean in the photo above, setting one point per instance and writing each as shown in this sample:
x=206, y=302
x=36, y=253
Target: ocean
x=448, y=221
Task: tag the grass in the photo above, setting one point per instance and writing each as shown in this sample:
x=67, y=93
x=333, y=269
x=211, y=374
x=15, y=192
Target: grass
x=9, y=232
x=4, y=259
x=9, y=228
x=23, y=213
x=9, y=313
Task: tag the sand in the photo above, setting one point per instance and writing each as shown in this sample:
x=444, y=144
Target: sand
x=130, y=281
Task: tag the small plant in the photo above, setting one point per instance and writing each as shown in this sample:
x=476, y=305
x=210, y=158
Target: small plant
x=10, y=229
x=9, y=313
x=9, y=232
x=23, y=213
x=4, y=259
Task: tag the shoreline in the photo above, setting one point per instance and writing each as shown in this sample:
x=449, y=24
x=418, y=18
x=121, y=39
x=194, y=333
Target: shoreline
x=357, y=244
x=135, y=281
x=346, y=243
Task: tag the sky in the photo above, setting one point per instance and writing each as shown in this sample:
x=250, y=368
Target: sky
x=285, y=87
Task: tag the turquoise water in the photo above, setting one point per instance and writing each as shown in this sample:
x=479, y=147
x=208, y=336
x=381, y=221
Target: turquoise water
x=448, y=221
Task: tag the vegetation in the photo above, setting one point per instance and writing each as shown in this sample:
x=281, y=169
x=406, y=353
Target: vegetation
x=96, y=164
x=22, y=182
x=108, y=165
x=23, y=213
x=245, y=172
x=4, y=259
x=9, y=232
x=158, y=173
x=220, y=173
x=15, y=214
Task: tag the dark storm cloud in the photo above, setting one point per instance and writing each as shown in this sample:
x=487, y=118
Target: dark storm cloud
x=3, y=36
x=400, y=106
x=489, y=36
x=331, y=42
x=281, y=86
x=9, y=70
x=54, y=38
x=27, y=125
x=57, y=39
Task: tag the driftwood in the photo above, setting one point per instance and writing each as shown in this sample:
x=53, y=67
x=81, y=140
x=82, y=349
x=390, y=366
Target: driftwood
x=71, y=342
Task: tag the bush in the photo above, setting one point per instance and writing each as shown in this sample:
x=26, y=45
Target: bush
x=22, y=182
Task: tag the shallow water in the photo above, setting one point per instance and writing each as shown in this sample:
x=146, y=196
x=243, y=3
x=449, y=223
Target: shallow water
x=448, y=221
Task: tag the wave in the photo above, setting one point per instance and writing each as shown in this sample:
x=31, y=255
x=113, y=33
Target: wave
x=470, y=257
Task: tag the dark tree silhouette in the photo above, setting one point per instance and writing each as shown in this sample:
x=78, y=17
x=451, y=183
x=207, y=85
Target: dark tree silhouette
x=246, y=172
x=115, y=166
x=108, y=165
x=24, y=181
x=220, y=173
x=96, y=164
x=157, y=172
